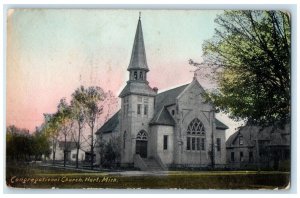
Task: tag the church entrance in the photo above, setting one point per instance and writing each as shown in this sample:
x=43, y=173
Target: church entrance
x=141, y=148
x=141, y=144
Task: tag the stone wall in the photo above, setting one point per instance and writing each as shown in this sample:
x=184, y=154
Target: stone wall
x=157, y=143
x=133, y=123
x=191, y=105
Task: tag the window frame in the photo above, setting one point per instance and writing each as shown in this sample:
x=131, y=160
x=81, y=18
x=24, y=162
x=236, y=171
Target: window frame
x=165, y=142
x=241, y=140
x=193, y=143
x=196, y=136
x=232, y=156
x=139, y=109
x=198, y=144
x=188, y=143
x=251, y=159
x=218, y=144
x=241, y=156
x=135, y=75
x=202, y=144
x=141, y=76
x=146, y=108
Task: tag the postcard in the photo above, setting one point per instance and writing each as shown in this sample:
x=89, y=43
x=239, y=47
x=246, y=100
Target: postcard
x=148, y=99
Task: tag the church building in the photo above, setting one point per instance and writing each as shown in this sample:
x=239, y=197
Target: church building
x=174, y=128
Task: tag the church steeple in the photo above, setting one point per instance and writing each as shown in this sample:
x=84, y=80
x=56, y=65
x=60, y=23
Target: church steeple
x=138, y=67
x=138, y=59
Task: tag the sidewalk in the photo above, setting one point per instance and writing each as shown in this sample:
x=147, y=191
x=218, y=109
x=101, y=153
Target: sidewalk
x=107, y=171
x=69, y=167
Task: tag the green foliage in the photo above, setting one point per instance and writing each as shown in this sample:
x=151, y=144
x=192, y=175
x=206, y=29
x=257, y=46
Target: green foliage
x=252, y=51
x=86, y=108
x=110, y=152
x=21, y=145
x=85, y=103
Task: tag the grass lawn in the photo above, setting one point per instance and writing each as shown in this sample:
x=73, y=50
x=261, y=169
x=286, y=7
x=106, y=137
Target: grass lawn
x=41, y=177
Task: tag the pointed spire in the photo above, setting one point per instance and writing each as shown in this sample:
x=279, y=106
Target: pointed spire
x=138, y=56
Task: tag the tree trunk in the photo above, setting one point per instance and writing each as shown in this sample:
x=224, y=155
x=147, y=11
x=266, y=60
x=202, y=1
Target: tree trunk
x=77, y=153
x=92, y=148
x=212, y=142
x=78, y=143
x=53, y=150
x=257, y=153
x=53, y=160
x=65, y=151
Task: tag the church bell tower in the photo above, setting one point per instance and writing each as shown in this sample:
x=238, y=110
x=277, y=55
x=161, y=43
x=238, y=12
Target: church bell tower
x=137, y=104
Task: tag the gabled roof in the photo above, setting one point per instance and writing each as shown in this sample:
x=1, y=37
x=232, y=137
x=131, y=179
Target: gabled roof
x=248, y=133
x=138, y=56
x=163, y=118
x=220, y=125
x=167, y=97
x=252, y=133
x=110, y=125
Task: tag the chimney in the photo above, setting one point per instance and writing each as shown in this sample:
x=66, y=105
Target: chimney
x=155, y=89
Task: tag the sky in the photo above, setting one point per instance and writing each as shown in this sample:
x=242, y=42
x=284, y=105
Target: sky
x=51, y=52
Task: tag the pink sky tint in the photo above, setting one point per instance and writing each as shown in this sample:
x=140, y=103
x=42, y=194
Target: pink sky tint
x=52, y=52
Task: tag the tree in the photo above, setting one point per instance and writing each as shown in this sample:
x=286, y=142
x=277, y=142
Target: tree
x=22, y=145
x=250, y=55
x=111, y=151
x=90, y=100
x=110, y=105
x=66, y=122
x=41, y=145
x=18, y=144
x=94, y=96
x=78, y=111
x=51, y=130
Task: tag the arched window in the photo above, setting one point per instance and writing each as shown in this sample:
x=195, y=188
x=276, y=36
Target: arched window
x=124, y=139
x=141, y=75
x=142, y=135
x=196, y=128
x=195, y=140
x=135, y=75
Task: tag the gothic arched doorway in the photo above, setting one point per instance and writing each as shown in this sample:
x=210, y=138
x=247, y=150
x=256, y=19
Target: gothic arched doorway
x=141, y=144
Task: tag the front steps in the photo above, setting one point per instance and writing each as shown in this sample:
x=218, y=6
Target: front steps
x=152, y=164
x=148, y=164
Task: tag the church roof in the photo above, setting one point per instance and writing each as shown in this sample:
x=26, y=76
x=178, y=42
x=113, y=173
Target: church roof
x=167, y=97
x=161, y=114
x=110, y=125
x=138, y=56
x=163, y=118
x=139, y=88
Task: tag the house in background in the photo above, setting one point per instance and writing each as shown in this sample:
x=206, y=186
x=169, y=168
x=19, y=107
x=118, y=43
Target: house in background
x=254, y=147
x=175, y=128
x=70, y=152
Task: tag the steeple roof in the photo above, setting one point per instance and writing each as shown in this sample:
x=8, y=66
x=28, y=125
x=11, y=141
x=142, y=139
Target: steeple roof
x=138, y=56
